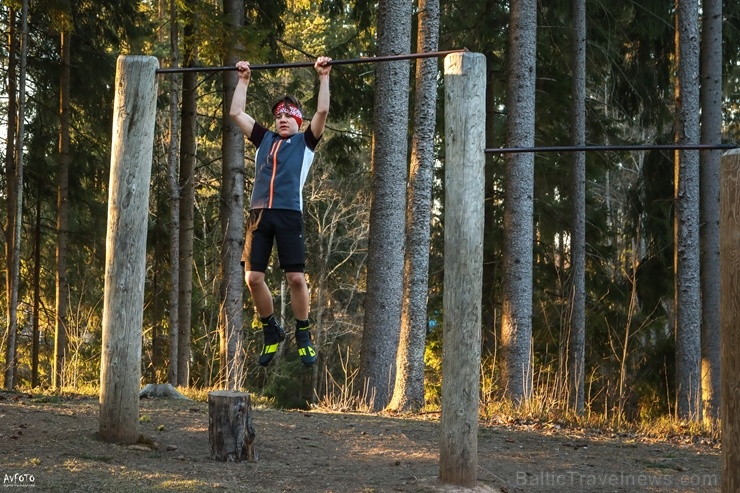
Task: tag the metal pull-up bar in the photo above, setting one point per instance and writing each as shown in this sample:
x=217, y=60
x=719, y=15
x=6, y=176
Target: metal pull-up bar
x=372, y=59
x=601, y=148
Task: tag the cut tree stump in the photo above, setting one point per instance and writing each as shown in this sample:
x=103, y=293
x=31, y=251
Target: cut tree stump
x=230, y=428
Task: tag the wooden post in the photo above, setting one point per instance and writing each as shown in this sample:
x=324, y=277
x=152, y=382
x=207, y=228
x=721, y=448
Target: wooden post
x=730, y=319
x=230, y=428
x=465, y=102
x=125, y=260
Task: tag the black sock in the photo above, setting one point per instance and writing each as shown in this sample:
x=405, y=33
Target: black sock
x=266, y=320
x=301, y=324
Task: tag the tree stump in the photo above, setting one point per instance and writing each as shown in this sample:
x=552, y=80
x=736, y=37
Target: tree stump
x=230, y=428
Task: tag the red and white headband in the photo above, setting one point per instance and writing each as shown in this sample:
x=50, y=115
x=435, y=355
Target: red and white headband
x=290, y=110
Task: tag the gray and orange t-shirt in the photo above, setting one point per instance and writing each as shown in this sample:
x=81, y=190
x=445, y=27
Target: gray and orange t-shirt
x=281, y=168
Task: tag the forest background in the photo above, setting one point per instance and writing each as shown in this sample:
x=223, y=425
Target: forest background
x=53, y=333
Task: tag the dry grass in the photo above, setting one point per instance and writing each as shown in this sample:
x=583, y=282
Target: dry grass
x=541, y=408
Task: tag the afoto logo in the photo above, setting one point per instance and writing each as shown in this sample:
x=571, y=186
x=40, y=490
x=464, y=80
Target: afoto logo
x=17, y=479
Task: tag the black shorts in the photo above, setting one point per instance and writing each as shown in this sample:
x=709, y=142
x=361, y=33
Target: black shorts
x=266, y=226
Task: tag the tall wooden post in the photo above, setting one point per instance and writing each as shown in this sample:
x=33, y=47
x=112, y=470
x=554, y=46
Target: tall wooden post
x=730, y=320
x=465, y=103
x=125, y=260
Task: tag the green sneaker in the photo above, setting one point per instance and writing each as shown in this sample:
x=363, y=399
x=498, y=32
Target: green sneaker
x=274, y=334
x=305, y=347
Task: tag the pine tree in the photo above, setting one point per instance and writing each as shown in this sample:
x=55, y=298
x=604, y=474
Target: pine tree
x=516, y=324
x=387, y=218
x=711, y=133
x=577, y=340
x=232, y=221
x=408, y=393
x=63, y=206
x=687, y=304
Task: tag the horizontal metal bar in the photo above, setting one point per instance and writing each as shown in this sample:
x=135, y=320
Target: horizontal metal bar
x=372, y=59
x=639, y=147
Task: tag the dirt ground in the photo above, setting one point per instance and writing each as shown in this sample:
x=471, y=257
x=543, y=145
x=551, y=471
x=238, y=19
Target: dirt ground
x=49, y=444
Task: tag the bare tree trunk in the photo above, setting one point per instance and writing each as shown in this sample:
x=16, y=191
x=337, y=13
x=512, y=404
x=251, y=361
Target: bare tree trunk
x=14, y=273
x=577, y=339
x=686, y=227
x=408, y=394
x=711, y=133
x=491, y=280
x=11, y=187
x=36, y=298
x=187, y=198
x=62, y=282
x=516, y=323
x=232, y=222
x=174, y=188
x=387, y=209
x=157, y=367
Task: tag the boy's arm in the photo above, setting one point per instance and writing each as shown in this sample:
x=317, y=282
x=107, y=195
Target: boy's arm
x=318, y=122
x=244, y=121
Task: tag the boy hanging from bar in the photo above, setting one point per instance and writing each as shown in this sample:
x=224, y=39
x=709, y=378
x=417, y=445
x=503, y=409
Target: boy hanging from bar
x=282, y=161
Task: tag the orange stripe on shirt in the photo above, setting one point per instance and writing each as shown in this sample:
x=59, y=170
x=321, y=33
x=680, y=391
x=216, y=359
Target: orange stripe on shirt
x=274, y=152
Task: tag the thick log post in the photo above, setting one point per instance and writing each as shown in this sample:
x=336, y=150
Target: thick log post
x=465, y=99
x=730, y=320
x=230, y=427
x=125, y=260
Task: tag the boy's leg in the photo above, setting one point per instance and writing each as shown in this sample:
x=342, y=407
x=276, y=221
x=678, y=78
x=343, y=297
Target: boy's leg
x=291, y=252
x=261, y=296
x=272, y=331
x=256, y=256
x=303, y=340
x=299, y=302
x=298, y=294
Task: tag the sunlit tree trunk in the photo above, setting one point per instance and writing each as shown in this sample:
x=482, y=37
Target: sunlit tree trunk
x=231, y=318
x=387, y=209
x=10, y=150
x=686, y=226
x=516, y=324
x=62, y=282
x=711, y=133
x=408, y=393
x=577, y=339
